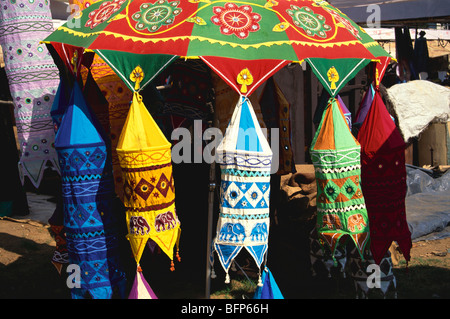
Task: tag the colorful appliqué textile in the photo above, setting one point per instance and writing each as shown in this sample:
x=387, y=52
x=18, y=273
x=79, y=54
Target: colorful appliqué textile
x=149, y=191
x=384, y=180
x=33, y=80
x=341, y=209
x=87, y=191
x=245, y=160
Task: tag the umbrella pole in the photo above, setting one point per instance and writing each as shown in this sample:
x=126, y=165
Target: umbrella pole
x=212, y=187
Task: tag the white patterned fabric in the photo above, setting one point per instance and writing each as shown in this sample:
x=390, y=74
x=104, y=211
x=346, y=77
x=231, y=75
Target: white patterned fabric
x=245, y=157
x=33, y=81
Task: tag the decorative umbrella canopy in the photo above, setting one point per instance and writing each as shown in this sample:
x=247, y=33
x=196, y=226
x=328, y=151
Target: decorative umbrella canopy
x=335, y=73
x=87, y=191
x=252, y=39
x=281, y=29
x=245, y=158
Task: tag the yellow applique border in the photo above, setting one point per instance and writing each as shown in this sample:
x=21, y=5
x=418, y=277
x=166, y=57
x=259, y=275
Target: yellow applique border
x=213, y=41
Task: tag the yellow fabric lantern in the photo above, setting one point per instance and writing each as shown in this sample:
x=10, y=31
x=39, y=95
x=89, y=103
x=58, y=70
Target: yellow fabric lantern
x=149, y=194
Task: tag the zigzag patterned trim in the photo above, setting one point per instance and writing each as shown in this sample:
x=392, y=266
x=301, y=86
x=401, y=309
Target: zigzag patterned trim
x=242, y=173
x=80, y=178
x=244, y=217
x=342, y=210
x=85, y=235
x=337, y=170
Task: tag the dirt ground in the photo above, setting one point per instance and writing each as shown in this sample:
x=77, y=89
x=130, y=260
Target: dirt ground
x=26, y=272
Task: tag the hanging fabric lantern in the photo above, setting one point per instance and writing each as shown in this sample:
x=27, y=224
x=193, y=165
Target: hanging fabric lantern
x=341, y=209
x=149, y=192
x=87, y=191
x=245, y=159
x=384, y=180
x=33, y=81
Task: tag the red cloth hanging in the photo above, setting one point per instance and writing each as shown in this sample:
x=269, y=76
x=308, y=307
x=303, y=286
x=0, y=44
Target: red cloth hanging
x=383, y=180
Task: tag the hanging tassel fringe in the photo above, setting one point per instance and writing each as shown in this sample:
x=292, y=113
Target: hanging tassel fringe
x=260, y=284
x=227, y=279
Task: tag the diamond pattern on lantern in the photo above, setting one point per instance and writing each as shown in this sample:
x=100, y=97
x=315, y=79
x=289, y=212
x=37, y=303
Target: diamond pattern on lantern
x=95, y=218
x=231, y=194
x=88, y=272
x=331, y=191
x=254, y=195
x=76, y=159
x=349, y=188
x=144, y=188
x=97, y=157
x=163, y=185
x=81, y=215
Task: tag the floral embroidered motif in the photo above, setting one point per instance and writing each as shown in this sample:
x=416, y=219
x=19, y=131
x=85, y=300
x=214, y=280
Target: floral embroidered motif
x=345, y=23
x=137, y=75
x=103, y=13
x=305, y=18
x=333, y=77
x=233, y=19
x=244, y=78
x=153, y=16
